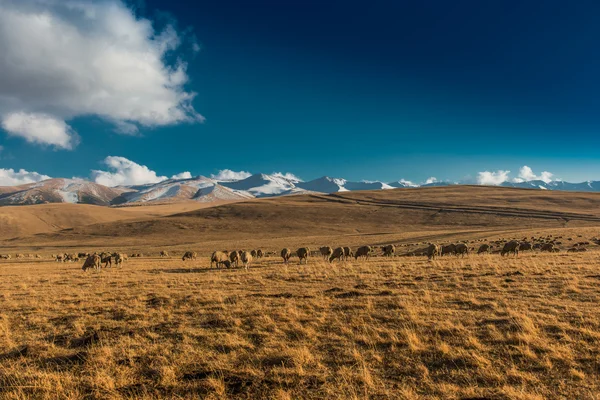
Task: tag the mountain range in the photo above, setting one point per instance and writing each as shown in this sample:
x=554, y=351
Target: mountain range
x=210, y=190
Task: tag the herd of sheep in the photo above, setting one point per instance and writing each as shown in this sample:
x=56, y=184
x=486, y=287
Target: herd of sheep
x=245, y=258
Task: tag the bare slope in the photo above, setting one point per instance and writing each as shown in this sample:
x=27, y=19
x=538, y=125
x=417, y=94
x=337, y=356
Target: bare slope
x=385, y=215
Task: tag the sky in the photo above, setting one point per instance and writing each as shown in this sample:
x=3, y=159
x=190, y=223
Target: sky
x=126, y=92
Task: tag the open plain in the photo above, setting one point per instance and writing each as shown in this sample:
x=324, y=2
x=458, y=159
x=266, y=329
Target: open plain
x=475, y=327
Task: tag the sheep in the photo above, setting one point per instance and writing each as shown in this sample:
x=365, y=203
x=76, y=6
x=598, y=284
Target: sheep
x=234, y=258
x=83, y=255
x=218, y=257
x=119, y=258
x=326, y=252
x=337, y=254
x=92, y=261
x=259, y=253
x=448, y=249
x=364, y=252
x=484, y=248
x=432, y=251
x=164, y=253
x=59, y=258
x=303, y=253
x=246, y=259
x=286, y=254
x=254, y=253
x=189, y=255
x=5, y=256
x=524, y=246
x=510, y=247
x=348, y=253
x=549, y=247
x=462, y=250
x=389, y=250
x=19, y=256
x=38, y=256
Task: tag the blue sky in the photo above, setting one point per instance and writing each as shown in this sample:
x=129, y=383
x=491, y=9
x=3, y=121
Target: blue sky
x=362, y=90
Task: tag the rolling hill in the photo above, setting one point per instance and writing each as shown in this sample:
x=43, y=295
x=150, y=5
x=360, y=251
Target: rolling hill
x=347, y=217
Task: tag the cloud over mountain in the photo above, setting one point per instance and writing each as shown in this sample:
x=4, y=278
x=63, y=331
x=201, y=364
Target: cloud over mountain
x=125, y=172
x=10, y=177
x=64, y=59
x=492, y=178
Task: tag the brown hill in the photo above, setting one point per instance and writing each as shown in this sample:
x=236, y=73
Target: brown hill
x=390, y=216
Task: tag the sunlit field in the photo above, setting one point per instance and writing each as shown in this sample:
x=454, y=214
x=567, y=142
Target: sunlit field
x=404, y=327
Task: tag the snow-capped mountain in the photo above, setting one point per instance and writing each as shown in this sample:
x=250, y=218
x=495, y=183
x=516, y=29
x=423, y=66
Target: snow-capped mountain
x=324, y=184
x=200, y=188
x=210, y=190
x=263, y=185
x=59, y=190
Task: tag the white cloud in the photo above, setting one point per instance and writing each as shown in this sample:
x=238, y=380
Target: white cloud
x=492, y=178
x=287, y=175
x=10, y=177
x=183, y=175
x=229, y=175
x=40, y=128
x=63, y=59
x=125, y=172
x=526, y=174
x=432, y=179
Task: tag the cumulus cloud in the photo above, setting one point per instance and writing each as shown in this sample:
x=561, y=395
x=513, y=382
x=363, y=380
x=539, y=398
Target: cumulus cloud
x=40, y=128
x=125, y=172
x=492, y=178
x=430, y=180
x=183, y=175
x=10, y=177
x=229, y=175
x=64, y=59
x=526, y=174
x=287, y=175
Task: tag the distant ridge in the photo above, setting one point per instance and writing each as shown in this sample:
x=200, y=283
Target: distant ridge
x=209, y=190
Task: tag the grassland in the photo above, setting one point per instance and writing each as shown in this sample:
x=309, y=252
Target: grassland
x=479, y=327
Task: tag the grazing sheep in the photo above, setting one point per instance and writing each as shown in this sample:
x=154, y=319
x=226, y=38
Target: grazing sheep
x=510, y=247
x=348, y=253
x=389, y=250
x=286, y=254
x=59, y=258
x=363, y=252
x=164, y=253
x=189, y=255
x=119, y=258
x=337, y=254
x=38, y=256
x=524, y=246
x=92, y=261
x=484, y=248
x=326, y=252
x=549, y=247
x=70, y=257
x=19, y=256
x=83, y=255
x=234, y=258
x=432, y=251
x=462, y=250
x=303, y=253
x=246, y=259
x=449, y=249
x=259, y=253
x=218, y=257
x=254, y=253
x=5, y=256
x=106, y=259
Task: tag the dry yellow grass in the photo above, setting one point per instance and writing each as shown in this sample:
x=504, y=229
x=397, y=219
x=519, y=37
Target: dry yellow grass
x=482, y=327
x=479, y=327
